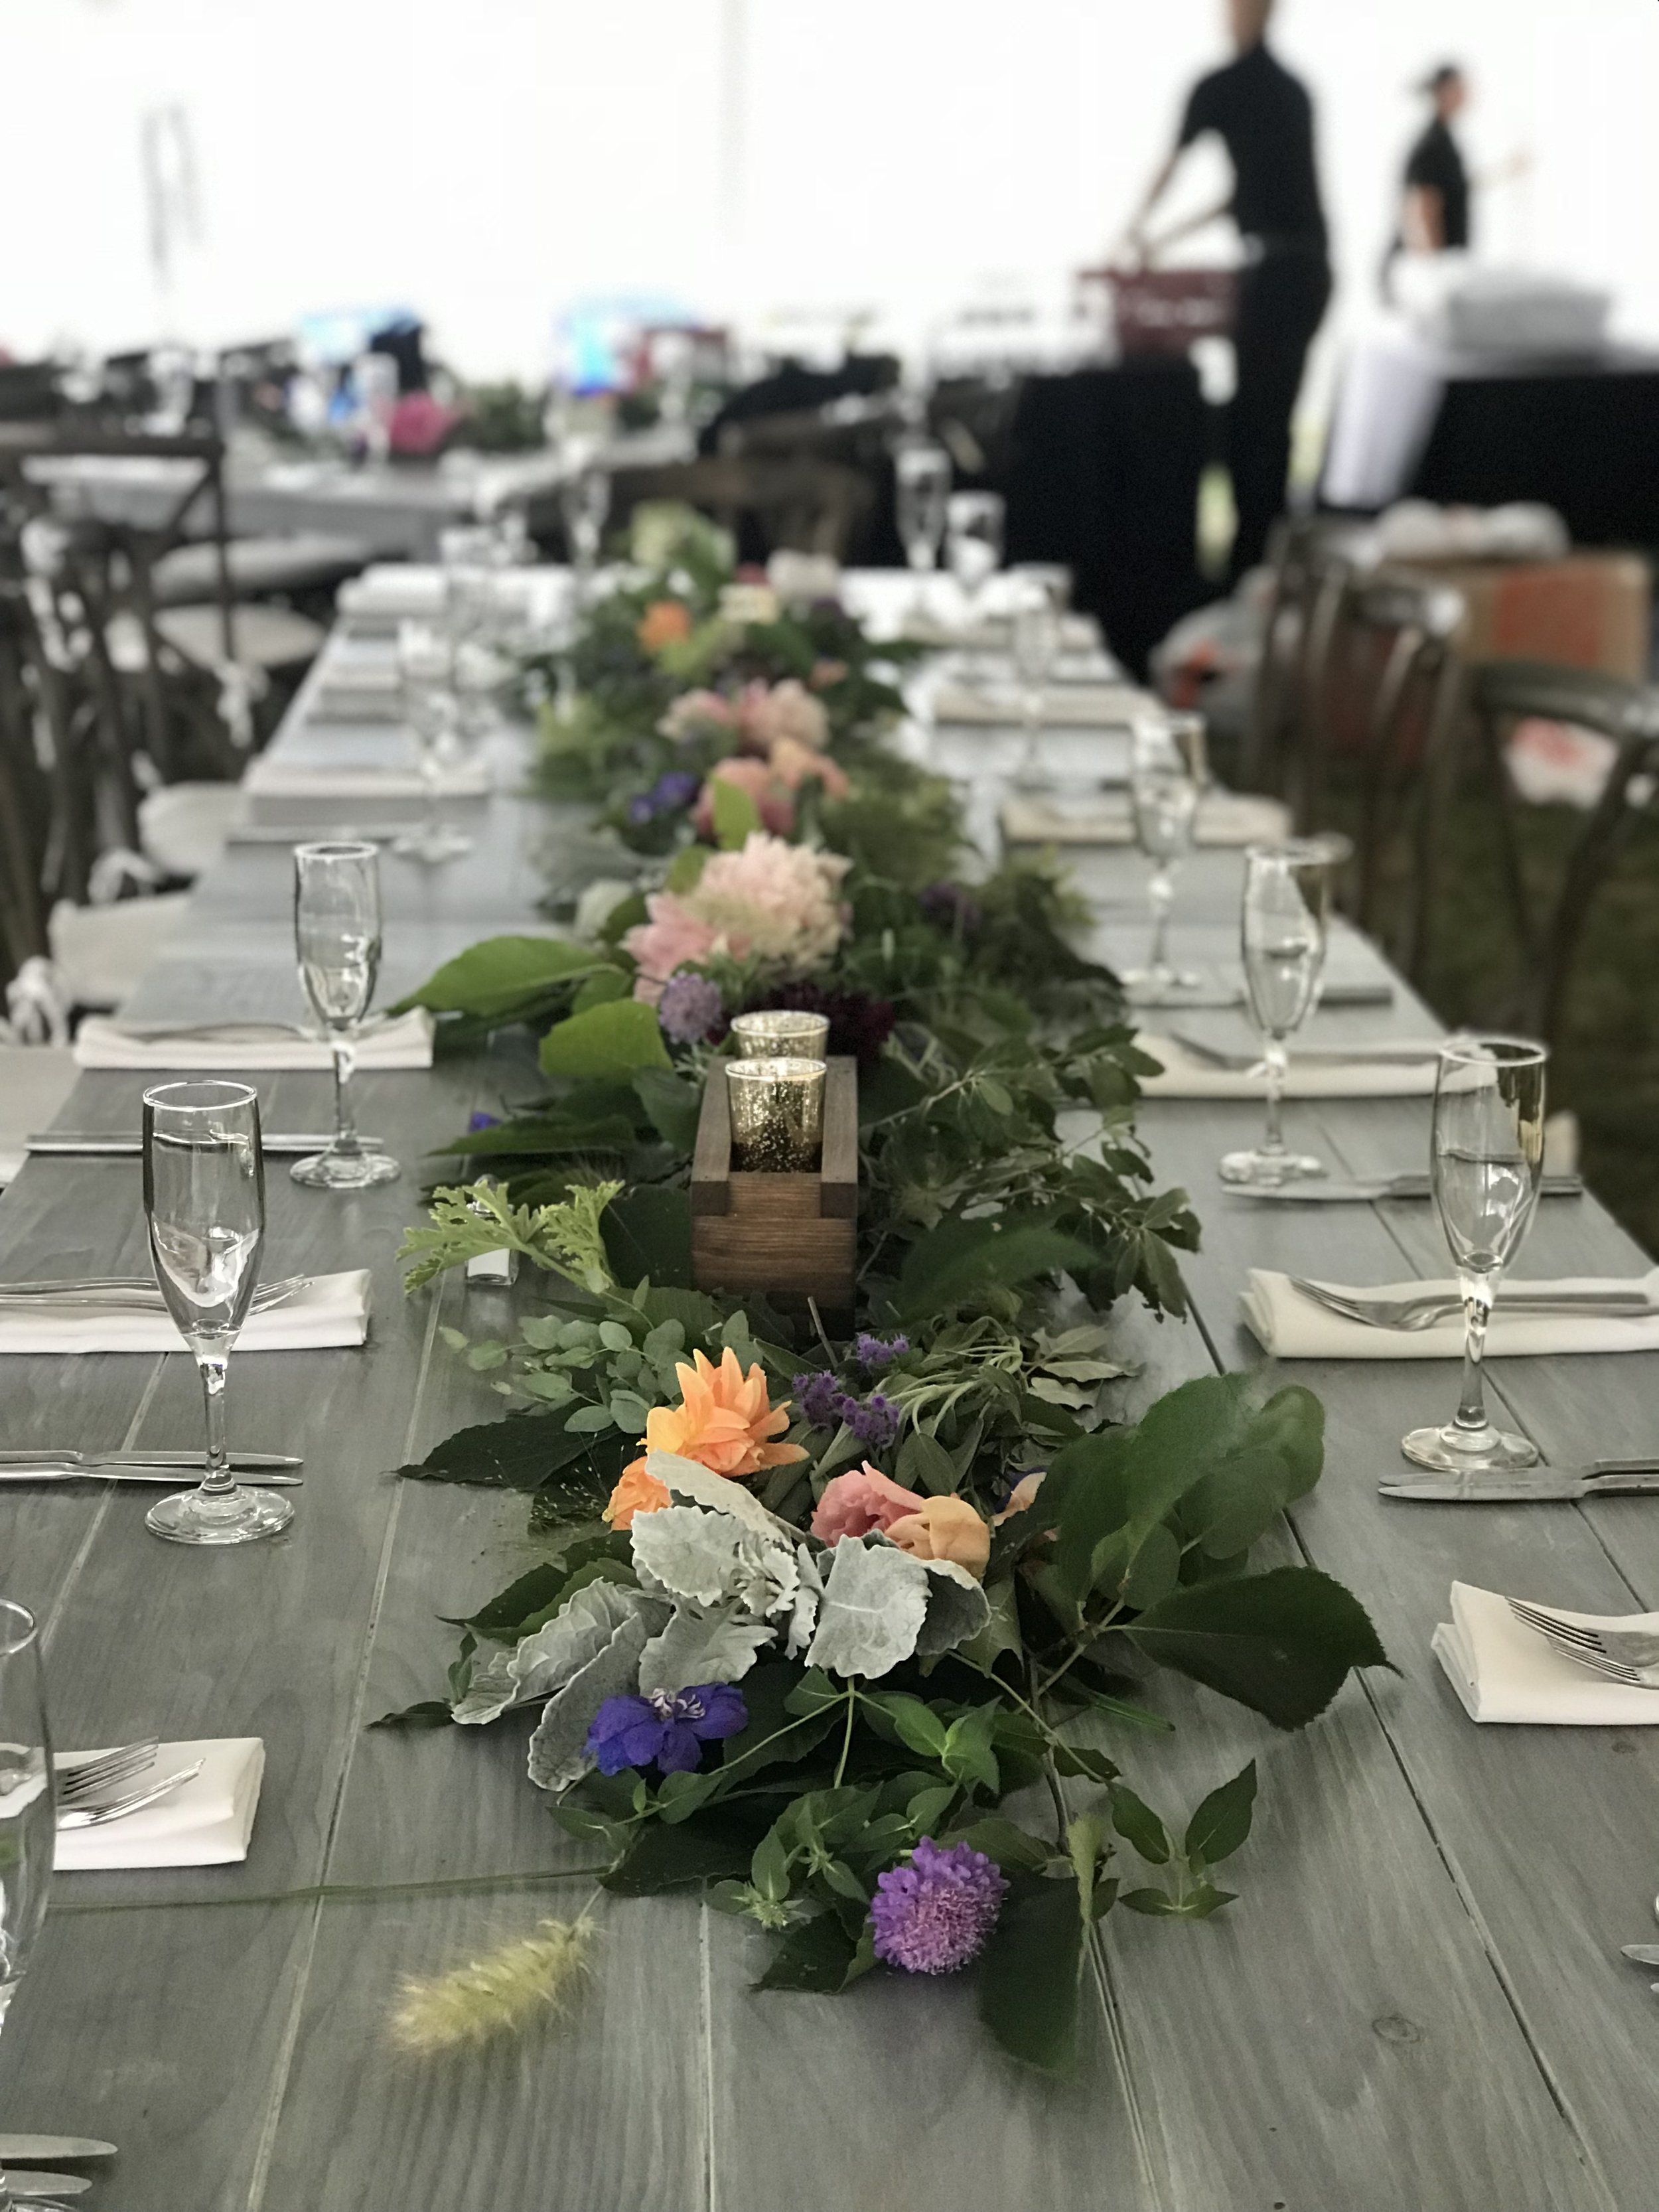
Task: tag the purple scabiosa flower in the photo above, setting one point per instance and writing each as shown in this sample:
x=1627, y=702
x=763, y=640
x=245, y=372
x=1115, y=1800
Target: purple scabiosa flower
x=821, y=1398
x=674, y=790
x=477, y=1121
x=666, y=1728
x=875, y=1353
x=876, y=1423
x=948, y=906
x=640, y=810
x=689, y=1007
x=934, y=1915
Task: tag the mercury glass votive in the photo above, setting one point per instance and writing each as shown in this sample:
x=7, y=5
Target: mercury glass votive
x=781, y=1033
x=777, y=1115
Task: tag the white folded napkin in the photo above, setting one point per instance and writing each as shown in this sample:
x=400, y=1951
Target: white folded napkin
x=276, y=779
x=206, y=1821
x=1068, y=706
x=391, y=590
x=1366, y=1076
x=330, y=1311
x=1291, y=1326
x=1504, y=1671
x=1078, y=633
x=1225, y=817
x=403, y=1042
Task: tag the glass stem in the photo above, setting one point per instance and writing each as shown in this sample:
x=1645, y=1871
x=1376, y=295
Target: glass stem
x=344, y=1052
x=218, y=1481
x=1471, y=1403
x=1160, y=896
x=1277, y=1067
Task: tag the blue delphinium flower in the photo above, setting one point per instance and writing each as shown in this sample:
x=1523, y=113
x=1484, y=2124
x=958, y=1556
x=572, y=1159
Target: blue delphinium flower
x=688, y=1008
x=477, y=1121
x=674, y=790
x=875, y=1353
x=934, y=1915
x=666, y=1728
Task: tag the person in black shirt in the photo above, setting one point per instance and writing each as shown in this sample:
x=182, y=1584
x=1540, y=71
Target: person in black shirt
x=1264, y=119
x=1437, y=218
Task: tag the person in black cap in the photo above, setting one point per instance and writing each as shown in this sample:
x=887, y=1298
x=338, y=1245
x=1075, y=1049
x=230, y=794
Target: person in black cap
x=1264, y=119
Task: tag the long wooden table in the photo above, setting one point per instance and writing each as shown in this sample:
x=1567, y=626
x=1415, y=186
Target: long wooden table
x=1416, y=2005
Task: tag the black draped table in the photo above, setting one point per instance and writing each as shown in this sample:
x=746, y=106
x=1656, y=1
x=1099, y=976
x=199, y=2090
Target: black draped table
x=1416, y=2003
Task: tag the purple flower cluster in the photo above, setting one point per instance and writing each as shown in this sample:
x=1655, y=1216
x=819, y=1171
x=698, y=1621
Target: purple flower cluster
x=666, y=1728
x=948, y=906
x=689, y=1007
x=672, y=793
x=482, y=1120
x=858, y=1025
x=875, y=1353
x=875, y=1420
x=934, y=1915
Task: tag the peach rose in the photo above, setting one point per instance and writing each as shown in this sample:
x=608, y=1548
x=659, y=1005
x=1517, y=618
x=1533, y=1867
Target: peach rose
x=793, y=763
x=1023, y=1496
x=853, y=1505
x=638, y=1492
x=665, y=621
x=777, y=808
x=945, y=1528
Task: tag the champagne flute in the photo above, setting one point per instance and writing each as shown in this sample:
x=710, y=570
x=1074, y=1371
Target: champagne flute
x=204, y=1205
x=1169, y=768
x=336, y=935
x=973, y=542
x=29, y=1810
x=1486, y=1162
x=1037, y=647
x=425, y=670
x=584, y=507
x=921, y=486
x=1285, y=921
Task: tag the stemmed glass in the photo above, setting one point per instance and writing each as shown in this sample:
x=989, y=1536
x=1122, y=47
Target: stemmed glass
x=1037, y=646
x=205, y=1204
x=921, y=487
x=973, y=542
x=1285, y=921
x=426, y=671
x=1486, y=1162
x=584, y=507
x=337, y=936
x=1169, y=767
x=29, y=1808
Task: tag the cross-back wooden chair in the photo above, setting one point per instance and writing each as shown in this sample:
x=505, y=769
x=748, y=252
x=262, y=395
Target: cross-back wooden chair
x=801, y=503
x=1551, y=923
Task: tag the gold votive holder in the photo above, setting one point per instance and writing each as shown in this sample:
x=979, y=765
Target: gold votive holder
x=781, y=1033
x=777, y=1115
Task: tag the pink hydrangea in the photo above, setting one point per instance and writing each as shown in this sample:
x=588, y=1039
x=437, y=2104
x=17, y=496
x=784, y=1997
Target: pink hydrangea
x=854, y=1504
x=767, y=715
x=695, y=712
x=758, y=779
x=792, y=764
x=772, y=901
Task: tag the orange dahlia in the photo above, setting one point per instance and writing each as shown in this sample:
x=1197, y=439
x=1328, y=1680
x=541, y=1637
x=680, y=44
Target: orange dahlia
x=725, y=1421
x=665, y=621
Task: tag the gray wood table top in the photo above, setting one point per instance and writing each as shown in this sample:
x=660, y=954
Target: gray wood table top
x=1415, y=2006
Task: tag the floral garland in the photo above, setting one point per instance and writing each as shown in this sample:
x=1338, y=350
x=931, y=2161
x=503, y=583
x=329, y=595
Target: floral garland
x=811, y=1615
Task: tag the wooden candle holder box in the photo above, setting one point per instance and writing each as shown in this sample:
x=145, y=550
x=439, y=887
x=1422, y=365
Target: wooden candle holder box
x=793, y=1237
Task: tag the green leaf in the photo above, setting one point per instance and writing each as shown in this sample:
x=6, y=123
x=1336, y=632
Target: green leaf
x=647, y=1233
x=663, y=1858
x=925, y=1465
x=674, y=1106
x=1137, y=1823
x=1028, y=1974
x=736, y=815
x=1013, y=1848
x=686, y=870
x=609, y=1040
x=958, y=1261
x=1085, y=1847
x=920, y=1727
x=603, y=985
x=967, y=1754
x=490, y=979
x=517, y=1453
x=818, y=1955
x=1086, y=1490
x=1155, y=1570
x=1281, y=1642
x=431, y=1713
x=1223, y=1821
x=769, y=1869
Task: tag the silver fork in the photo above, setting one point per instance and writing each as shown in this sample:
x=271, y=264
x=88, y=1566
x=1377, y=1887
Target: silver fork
x=1429, y=1306
x=1597, y=1648
x=94, y=1816
x=89, y=1776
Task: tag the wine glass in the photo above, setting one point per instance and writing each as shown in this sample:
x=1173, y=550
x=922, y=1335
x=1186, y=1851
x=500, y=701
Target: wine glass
x=426, y=671
x=1285, y=920
x=584, y=507
x=336, y=935
x=1169, y=767
x=29, y=1808
x=921, y=487
x=1486, y=1162
x=205, y=1204
x=973, y=542
x=1035, y=627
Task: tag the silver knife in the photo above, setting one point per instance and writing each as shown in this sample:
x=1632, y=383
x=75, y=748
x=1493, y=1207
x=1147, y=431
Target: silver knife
x=13, y=2148
x=91, y=1144
x=47, y=1469
x=1368, y=1190
x=191, y=1462
x=1602, y=1478
x=28, y=2187
x=1408, y=1052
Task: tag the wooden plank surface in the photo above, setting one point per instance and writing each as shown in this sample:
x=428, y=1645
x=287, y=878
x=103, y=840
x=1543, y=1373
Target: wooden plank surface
x=1415, y=2003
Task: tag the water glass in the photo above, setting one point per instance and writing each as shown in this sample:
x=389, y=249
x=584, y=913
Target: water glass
x=204, y=1206
x=337, y=937
x=1284, y=928
x=973, y=541
x=921, y=487
x=1485, y=1165
x=1169, y=767
x=425, y=673
x=28, y=1808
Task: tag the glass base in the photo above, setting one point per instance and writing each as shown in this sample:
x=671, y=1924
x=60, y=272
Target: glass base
x=432, y=844
x=338, y=1170
x=1452, y=1450
x=1160, y=986
x=1269, y=1171
x=237, y=1517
